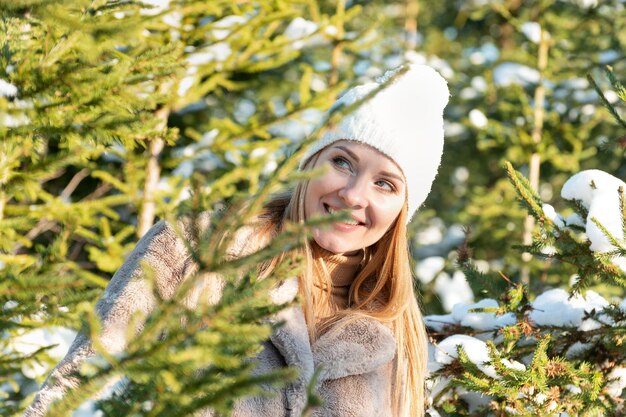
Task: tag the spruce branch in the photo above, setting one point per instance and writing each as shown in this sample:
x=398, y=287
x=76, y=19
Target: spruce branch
x=622, y=209
x=538, y=363
x=525, y=192
x=578, y=208
x=615, y=83
x=607, y=104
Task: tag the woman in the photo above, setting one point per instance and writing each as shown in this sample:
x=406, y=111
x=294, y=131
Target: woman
x=359, y=321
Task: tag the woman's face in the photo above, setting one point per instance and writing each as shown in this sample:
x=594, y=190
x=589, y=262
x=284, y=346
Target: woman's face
x=362, y=181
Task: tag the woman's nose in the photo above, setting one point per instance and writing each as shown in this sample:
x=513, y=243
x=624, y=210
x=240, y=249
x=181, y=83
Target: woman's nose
x=354, y=194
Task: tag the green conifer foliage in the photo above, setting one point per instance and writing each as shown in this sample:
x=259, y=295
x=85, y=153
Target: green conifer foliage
x=84, y=82
x=509, y=103
x=557, y=354
x=116, y=113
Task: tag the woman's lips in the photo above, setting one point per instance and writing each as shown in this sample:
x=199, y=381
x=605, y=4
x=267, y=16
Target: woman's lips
x=343, y=226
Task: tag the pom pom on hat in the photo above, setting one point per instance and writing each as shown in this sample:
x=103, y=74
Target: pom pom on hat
x=404, y=121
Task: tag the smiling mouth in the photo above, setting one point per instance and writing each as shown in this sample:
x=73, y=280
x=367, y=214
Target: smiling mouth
x=351, y=221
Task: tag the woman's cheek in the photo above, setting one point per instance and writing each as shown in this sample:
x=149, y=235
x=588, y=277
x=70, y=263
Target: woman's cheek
x=386, y=208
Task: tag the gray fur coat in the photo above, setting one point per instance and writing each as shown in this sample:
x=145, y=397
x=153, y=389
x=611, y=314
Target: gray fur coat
x=356, y=360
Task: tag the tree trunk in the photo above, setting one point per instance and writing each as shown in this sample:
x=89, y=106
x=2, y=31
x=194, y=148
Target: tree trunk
x=153, y=174
x=535, y=159
x=338, y=48
x=410, y=24
x=2, y=203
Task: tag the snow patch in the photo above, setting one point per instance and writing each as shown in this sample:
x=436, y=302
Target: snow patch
x=428, y=268
x=301, y=31
x=598, y=192
x=606, y=57
x=478, y=119
x=460, y=175
x=556, y=308
x=244, y=109
x=586, y=4
x=219, y=52
x=615, y=387
x=551, y=214
x=611, y=96
x=481, y=320
x=532, y=30
x=574, y=219
x=7, y=89
x=224, y=27
x=475, y=349
x=439, y=322
x=432, y=234
x=299, y=126
x=29, y=342
x=157, y=6
x=509, y=73
x=485, y=54
x=18, y=120
x=453, y=290
x=479, y=84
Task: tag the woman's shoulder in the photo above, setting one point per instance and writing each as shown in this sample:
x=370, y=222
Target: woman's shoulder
x=244, y=240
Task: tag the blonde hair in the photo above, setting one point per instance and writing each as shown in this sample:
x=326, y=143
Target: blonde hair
x=389, y=299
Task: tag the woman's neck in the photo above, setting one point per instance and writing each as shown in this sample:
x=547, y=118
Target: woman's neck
x=342, y=268
x=332, y=291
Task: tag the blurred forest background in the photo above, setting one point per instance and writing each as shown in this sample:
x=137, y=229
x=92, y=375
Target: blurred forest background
x=114, y=114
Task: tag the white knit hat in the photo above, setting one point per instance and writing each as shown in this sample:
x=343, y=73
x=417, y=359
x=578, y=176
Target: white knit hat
x=403, y=121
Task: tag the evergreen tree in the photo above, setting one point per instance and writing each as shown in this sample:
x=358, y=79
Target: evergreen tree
x=560, y=354
x=519, y=93
x=114, y=113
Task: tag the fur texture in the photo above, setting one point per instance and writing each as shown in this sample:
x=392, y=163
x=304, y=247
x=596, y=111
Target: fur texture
x=355, y=358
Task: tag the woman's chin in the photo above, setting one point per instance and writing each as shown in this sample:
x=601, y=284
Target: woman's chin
x=335, y=246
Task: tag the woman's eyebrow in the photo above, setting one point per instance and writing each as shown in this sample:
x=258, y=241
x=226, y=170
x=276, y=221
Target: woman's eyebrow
x=349, y=152
x=392, y=175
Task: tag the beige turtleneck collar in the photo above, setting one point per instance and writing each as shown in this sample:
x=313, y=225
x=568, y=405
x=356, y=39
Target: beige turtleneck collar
x=342, y=270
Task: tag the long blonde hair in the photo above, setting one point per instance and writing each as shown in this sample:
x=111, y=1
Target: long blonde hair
x=390, y=300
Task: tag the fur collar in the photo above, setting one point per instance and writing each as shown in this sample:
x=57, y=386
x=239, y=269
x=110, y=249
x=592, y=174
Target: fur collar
x=356, y=346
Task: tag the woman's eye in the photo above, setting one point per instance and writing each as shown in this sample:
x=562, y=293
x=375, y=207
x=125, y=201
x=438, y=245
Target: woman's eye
x=386, y=185
x=341, y=162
